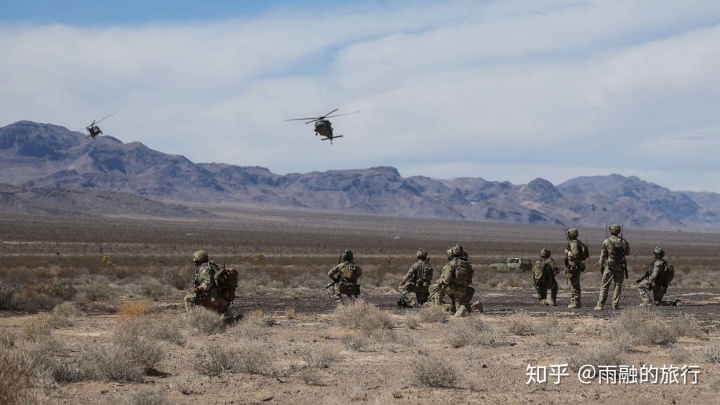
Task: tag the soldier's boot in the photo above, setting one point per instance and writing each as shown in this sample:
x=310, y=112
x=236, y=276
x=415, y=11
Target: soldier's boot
x=646, y=302
x=462, y=311
x=553, y=298
x=542, y=302
x=573, y=304
x=598, y=307
x=476, y=306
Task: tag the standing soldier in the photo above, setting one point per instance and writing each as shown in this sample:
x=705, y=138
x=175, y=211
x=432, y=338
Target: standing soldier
x=205, y=291
x=656, y=280
x=455, y=281
x=417, y=280
x=613, y=266
x=544, y=273
x=577, y=252
x=344, y=277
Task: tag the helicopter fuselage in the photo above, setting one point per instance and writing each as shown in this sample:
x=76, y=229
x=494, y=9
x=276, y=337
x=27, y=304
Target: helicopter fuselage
x=324, y=128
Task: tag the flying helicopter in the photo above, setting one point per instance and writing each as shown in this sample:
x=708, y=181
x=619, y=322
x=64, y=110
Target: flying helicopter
x=323, y=126
x=93, y=129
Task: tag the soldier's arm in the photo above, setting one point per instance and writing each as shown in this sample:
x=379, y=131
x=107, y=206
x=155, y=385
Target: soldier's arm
x=657, y=266
x=574, y=251
x=410, y=274
x=333, y=273
x=626, y=247
x=554, y=267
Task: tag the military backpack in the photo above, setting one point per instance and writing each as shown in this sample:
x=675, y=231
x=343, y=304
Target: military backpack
x=584, y=251
x=616, y=250
x=463, y=272
x=351, y=271
x=226, y=281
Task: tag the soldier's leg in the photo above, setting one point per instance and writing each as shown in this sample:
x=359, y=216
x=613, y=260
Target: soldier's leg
x=469, y=293
x=644, y=293
x=404, y=296
x=541, y=293
x=575, y=290
x=337, y=295
x=619, y=278
x=422, y=296
x=605, y=282
x=553, y=293
x=658, y=294
x=189, y=302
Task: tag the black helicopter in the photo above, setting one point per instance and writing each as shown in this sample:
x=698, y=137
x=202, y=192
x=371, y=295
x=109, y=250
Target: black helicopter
x=323, y=126
x=93, y=129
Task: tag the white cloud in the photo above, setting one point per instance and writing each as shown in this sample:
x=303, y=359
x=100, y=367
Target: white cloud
x=501, y=90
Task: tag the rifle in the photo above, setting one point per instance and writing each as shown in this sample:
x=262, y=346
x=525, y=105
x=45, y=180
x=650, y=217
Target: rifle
x=622, y=243
x=335, y=281
x=603, y=260
x=645, y=276
x=566, y=261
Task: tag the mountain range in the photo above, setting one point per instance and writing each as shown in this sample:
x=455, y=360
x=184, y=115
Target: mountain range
x=49, y=169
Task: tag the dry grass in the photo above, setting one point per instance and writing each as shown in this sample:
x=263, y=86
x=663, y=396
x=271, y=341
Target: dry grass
x=16, y=378
x=411, y=321
x=218, y=361
x=133, y=309
x=434, y=372
x=521, y=325
x=146, y=397
x=432, y=314
x=712, y=352
x=596, y=355
x=205, y=321
x=36, y=326
x=362, y=316
x=290, y=313
x=475, y=332
x=319, y=358
x=357, y=343
x=642, y=326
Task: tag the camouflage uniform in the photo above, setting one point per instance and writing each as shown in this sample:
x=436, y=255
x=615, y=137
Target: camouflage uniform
x=653, y=281
x=544, y=273
x=205, y=291
x=417, y=280
x=613, y=266
x=345, y=276
x=455, y=281
x=574, y=266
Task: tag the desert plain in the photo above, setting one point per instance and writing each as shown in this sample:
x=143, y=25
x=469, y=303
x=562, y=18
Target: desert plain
x=91, y=312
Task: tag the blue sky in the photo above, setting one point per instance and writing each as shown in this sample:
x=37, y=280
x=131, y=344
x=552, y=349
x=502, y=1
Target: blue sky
x=503, y=90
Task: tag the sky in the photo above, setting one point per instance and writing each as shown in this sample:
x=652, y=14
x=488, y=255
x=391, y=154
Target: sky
x=503, y=90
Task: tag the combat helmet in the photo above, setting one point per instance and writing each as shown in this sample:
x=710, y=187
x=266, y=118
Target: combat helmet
x=545, y=253
x=200, y=257
x=347, y=256
x=659, y=253
x=457, y=250
x=421, y=254
x=572, y=233
x=615, y=229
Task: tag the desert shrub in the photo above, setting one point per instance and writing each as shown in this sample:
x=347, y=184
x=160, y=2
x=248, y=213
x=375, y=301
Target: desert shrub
x=311, y=377
x=319, y=358
x=153, y=288
x=111, y=363
x=146, y=397
x=142, y=351
x=596, y=355
x=681, y=355
x=639, y=326
x=16, y=378
x=432, y=314
x=36, y=326
x=95, y=291
x=434, y=372
x=362, y=316
x=218, y=360
x=712, y=352
x=66, y=309
x=356, y=343
x=34, y=301
x=133, y=309
x=411, y=321
x=205, y=321
x=688, y=325
x=10, y=292
x=521, y=325
x=290, y=313
x=7, y=339
x=475, y=332
x=253, y=358
x=163, y=329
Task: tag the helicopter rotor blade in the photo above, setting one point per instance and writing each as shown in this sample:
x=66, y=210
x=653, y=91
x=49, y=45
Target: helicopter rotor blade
x=326, y=115
x=303, y=119
x=339, y=115
x=105, y=118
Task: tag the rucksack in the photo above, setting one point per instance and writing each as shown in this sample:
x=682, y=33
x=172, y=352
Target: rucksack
x=583, y=250
x=351, y=271
x=615, y=248
x=668, y=275
x=541, y=267
x=226, y=281
x=463, y=272
x=425, y=273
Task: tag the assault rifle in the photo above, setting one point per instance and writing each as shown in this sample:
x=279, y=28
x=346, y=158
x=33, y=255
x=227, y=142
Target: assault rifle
x=622, y=243
x=335, y=281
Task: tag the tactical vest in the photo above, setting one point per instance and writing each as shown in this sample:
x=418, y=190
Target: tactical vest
x=615, y=248
x=463, y=272
x=351, y=271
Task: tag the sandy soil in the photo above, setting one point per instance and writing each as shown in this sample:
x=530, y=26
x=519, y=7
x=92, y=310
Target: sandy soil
x=384, y=370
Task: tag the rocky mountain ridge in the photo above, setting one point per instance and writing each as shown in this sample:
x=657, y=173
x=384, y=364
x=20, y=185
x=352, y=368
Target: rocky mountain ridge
x=47, y=157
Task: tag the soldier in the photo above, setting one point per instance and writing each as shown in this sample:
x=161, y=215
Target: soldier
x=656, y=279
x=455, y=281
x=205, y=291
x=544, y=273
x=613, y=266
x=577, y=253
x=417, y=280
x=437, y=289
x=344, y=277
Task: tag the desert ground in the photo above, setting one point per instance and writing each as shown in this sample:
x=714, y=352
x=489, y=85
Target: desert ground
x=91, y=312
